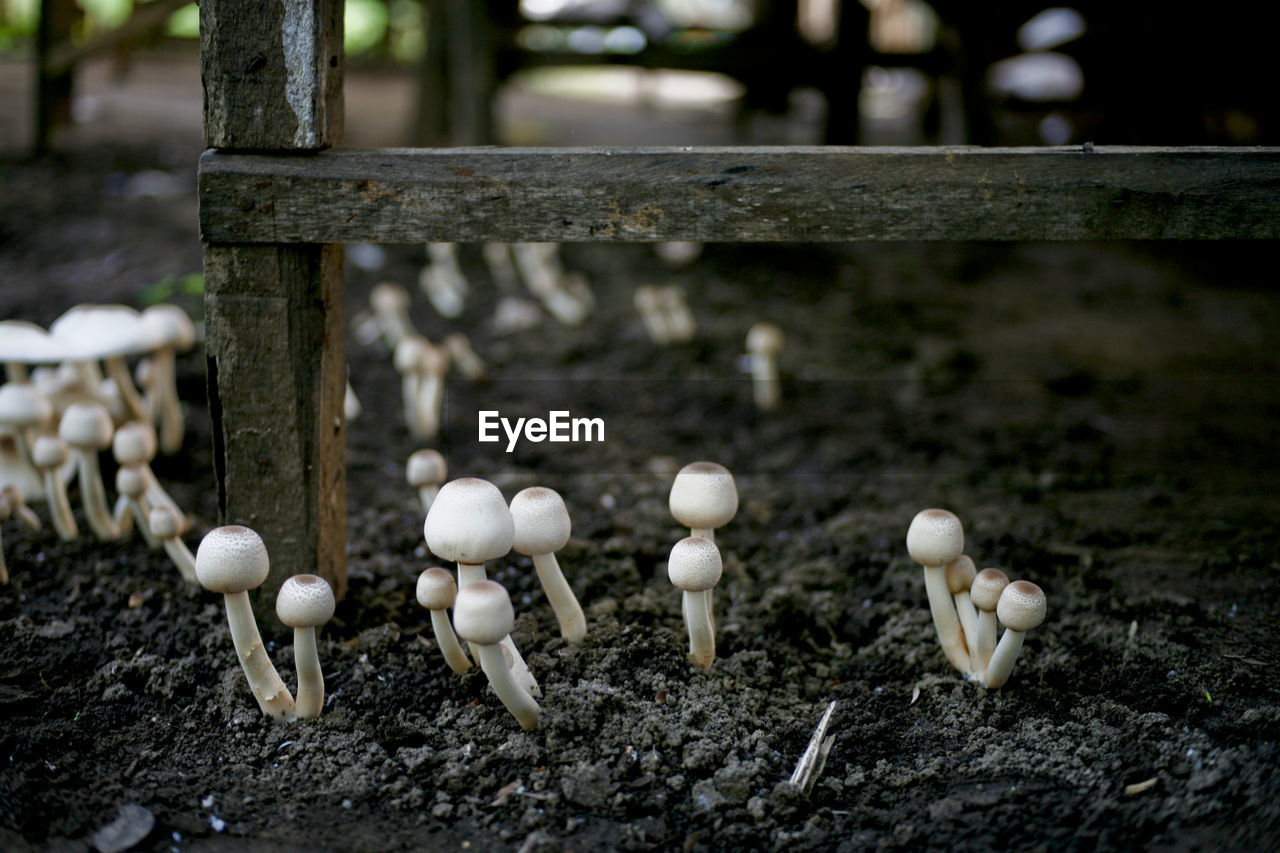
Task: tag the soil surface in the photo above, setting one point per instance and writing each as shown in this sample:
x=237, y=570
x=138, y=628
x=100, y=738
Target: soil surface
x=1101, y=417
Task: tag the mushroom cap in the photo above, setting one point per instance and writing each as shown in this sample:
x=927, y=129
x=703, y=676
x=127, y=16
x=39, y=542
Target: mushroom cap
x=1022, y=606
x=765, y=338
x=91, y=332
x=231, y=559
x=130, y=481
x=49, y=451
x=389, y=297
x=425, y=468
x=163, y=520
x=541, y=520
x=134, y=443
x=482, y=613
x=21, y=341
x=469, y=522
x=694, y=564
x=986, y=589
x=305, y=601
x=935, y=537
x=437, y=589
x=703, y=495
x=22, y=406
x=86, y=424
x=169, y=326
x=409, y=353
x=960, y=573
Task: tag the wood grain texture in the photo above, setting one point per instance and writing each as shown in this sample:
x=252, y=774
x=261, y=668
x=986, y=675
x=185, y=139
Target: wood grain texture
x=742, y=194
x=276, y=374
x=272, y=72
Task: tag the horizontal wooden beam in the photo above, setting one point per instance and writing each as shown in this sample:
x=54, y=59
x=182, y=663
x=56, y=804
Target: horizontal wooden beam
x=740, y=194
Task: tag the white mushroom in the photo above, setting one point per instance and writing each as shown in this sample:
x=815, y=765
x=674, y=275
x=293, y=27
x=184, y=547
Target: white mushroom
x=483, y=616
x=106, y=333
x=677, y=254
x=934, y=539
x=985, y=594
x=680, y=322
x=1021, y=608
x=233, y=560
x=542, y=527
x=469, y=523
x=50, y=454
x=437, y=592
x=131, y=483
x=23, y=410
x=764, y=342
x=390, y=304
x=351, y=407
x=23, y=343
x=426, y=470
x=166, y=525
x=87, y=428
x=175, y=333
x=649, y=307
x=695, y=567
x=464, y=356
x=304, y=603
x=18, y=506
x=435, y=365
x=959, y=574
x=134, y=443
x=408, y=360
x=442, y=279
x=704, y=497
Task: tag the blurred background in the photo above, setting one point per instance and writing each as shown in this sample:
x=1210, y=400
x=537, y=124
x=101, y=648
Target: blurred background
x=583, y=72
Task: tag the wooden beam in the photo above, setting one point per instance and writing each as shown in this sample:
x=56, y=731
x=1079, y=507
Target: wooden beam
x=272, y=72
x=742, y=194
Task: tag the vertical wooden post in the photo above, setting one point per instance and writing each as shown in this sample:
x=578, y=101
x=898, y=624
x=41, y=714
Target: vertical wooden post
x=272, y=72
x=53, y=88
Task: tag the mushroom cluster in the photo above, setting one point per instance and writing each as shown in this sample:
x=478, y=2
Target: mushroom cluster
x=966, y=603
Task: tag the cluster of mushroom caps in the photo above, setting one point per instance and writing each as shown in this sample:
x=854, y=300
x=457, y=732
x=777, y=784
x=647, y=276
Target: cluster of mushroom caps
x=469, y=523
x=232, y=560
x=967, y=603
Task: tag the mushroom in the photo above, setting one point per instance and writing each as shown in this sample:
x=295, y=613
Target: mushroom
x=483, y=616
x=649, y=307
x=86, y=428
x=165, y=523
x=22, y=410
x=469, y=523
x=435, y=365
x=442, y=279
x=304, y=603
x=985, y=595
x=677, y=254
x=681, y=325
x=174, y=332
x=18, y=506
x=49, y=453
x=107, y=333
x=131, y=483
x=934, y=539
x=542, y=527
x=233, y=560
x=408, y=362
x=390, y=304
x=959, y=574
x=1021, y=608
x=437, y=592
x=695, y=567
x=425, y=471
x=462, y=354
x=23, y=343
x=134, y=443
x=704, y=497
x=764, y=342
x=351, y=407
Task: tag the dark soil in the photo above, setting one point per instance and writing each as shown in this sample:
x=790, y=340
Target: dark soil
x=1101, y=417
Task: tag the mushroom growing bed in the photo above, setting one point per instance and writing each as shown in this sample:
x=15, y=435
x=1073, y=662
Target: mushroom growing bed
x=1102, y=419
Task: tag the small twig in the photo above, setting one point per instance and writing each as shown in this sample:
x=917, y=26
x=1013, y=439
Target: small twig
x=810, y=765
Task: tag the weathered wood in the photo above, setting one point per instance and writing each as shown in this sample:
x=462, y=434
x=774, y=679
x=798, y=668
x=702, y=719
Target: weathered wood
x=742, y=194
x=276, y=376
x=272, y=72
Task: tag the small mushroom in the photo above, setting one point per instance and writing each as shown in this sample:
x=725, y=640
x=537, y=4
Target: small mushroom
x=175, y=333
x=934, y=539
x=649, y=307
x=464, y=356
x=426, y=470
x=542, y=527
x=959, y=574
x=704, y=497
x=390, y=305
x=233, y=560
x=430, y=404
x=134, y=443
x=166, y=525
x=442, y=279
x=408, y=362
x=1021, y=608
x=131, y=483
x=764, y=342
x=304, y=603
x=681, y=324
x=483, y=616
x=23, y=410
x=50, y=454
x=695, y=567
x=437, y=592
x=985, y=595
x=87, y=428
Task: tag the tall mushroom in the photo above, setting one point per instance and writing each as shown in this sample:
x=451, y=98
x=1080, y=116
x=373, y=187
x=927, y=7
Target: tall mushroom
x=435, y=366
x=173, y=332
x=49, y=453
x=390, y=304
x=959, y=574
x=425, y=471
x=1022, y=607
x=86, y=428
x=304, y=603
x=437, y=592
x=469, y=523
x=985, y=594
x=483, y=616
x=934, y=539
x=695, y=567
x=166, y=525
x=233, y=560
x=764, y=342
x=407, y=358
x=704, y=497
x=542, y=527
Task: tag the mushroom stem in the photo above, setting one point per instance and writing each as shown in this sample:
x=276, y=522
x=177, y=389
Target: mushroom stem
x=64, y=521
x=182, y=558
x=273, y=697
x=18, y=506
x=520, y=703
x=708, y=533
x=968, y=615
x=1002, y=659
x=573, y=624
x=168, y=408
x=945, y=621
x=310, y=678
x=94, y=496
x=118, y=372
x=427, y=496
x=16, y=371
x=702, y=639
x=984, y=642
x=448, y=642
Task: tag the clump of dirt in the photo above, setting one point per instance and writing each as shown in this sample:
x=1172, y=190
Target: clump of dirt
x=1101, y=418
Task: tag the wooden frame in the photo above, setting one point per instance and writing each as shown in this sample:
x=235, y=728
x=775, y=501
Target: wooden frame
x=274, y=206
